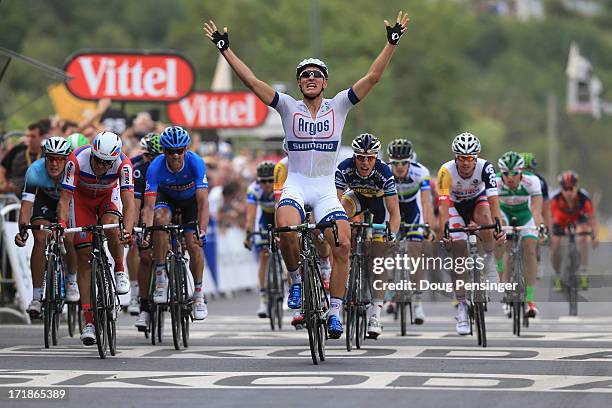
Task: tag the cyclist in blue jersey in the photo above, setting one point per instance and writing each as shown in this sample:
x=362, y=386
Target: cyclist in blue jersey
x=364, y=182
x=39, y=202
x=174, y=181
x=313, y=129
x=260, y=193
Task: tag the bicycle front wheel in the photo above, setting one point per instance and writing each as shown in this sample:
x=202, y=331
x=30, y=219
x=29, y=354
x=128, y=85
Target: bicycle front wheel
x=98, y=297
x=310, y=314
x=111, y=302
x=175, y=306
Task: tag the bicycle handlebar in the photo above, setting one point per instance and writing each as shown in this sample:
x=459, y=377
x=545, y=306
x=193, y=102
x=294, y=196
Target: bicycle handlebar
x=308, y=226
x=471, y=230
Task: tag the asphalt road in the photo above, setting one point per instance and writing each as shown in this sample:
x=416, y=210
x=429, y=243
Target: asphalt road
x=235, y=359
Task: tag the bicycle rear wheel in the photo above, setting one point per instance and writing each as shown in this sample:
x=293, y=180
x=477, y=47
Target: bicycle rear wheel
x=161, y=312
x=98, y=297
x=402, y=312
x=516, y=318
x=350, y=310
x=572, y=287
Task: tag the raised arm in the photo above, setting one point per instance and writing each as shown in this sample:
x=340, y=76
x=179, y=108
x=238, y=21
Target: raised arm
x=263, y=91
x=363, y=87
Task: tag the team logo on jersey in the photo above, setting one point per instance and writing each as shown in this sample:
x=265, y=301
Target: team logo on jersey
x=127, y=176
x=317, y=146
x=69, y=170
x=305, y=128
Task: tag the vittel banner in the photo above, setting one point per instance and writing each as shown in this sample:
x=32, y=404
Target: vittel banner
x=130, y=76
x=218, y=110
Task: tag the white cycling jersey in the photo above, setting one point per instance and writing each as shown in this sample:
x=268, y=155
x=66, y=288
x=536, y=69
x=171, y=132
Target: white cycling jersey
x=313, y=144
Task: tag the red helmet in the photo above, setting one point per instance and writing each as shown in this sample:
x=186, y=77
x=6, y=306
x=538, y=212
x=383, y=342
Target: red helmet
x=568, y=179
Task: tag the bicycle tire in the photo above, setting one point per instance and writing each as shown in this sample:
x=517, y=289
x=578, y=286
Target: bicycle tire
x=97, y=305
x=401, y=306
x=161, y=311
x=71, y=318
x=111, y=309
x=310, y=314
x=186, y=304
x=46, y=303
x=319, y=298
x=271, y=289
x=175, y=308
x=480, y=323
x=350, y=326
x=573, y=282
x=516, y=318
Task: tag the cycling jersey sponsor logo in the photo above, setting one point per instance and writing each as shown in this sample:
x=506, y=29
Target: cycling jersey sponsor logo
x=322, y=128
x=69, y=170
x=180, y=187
x=317, y=146
x=130, y=76
x=213, y=110
x=127, y=179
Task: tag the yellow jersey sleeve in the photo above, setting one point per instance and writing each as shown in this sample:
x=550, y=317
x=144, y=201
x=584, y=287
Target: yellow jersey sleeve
x=280, y=175
x=445, y=183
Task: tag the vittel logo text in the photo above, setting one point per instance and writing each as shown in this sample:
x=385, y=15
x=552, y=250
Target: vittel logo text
x=138, y=77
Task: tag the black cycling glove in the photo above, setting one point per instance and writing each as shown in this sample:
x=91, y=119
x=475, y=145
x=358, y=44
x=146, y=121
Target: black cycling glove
x=394, y=33
x=221, y=40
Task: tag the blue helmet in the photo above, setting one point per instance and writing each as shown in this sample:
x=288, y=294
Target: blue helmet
x=174, y=136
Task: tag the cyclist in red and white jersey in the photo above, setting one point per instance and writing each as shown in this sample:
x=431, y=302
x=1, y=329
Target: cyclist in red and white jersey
x=98, y=180
x=313, y=130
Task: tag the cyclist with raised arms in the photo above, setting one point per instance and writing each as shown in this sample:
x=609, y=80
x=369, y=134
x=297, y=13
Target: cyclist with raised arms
x=175, y=181
x=572, y=205
x=98, y=180
x=39, y=199
x=313, y=130
x=412, y=181
x=260, y=193
x=520, y=196
x=468, y=197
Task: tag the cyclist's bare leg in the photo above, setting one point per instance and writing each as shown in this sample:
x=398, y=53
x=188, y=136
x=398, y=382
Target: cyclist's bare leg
x=583, y=246
x=415, y=250
x=144, y=273
x=37, y=261
x=114, y=246
x=196, y=257
x=459, y=250
x=133, y=262
x=161, y=216
x=555, y=252
x=482, y=215
x=289, y=241
x=340, y=266
x=531, y=260
x=84, y=274
x=71, y=255
x=261, y=273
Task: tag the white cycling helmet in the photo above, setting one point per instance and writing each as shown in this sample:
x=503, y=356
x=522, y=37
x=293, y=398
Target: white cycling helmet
x=311, y=62
x=106, y=146
x=57, y=145
x=466, y=143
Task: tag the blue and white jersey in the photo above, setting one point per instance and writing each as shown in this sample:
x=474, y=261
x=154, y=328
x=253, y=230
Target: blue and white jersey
x=314, y=143
x=409, y=187
x=379, y=183
x=256, y=195
x=37, y=179
x=180, y=185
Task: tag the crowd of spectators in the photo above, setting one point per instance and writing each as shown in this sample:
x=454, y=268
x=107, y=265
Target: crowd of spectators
x=229, y=170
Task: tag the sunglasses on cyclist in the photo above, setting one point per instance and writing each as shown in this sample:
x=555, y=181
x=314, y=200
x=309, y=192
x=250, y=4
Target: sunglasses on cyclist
x=55, y=159
x=466, y=157
x=569, y=188
x=510, y=173
x=266, y=181
x=311, y=74
x=105, y=163
x=362, y=158
x=180, y=151
x=399, y=162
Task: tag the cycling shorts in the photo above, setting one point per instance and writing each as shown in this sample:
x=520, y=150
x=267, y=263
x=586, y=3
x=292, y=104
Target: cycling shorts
x=44, y=208
x=461, y=213
x=319, y=193
x=187, y=208
x=85, y=210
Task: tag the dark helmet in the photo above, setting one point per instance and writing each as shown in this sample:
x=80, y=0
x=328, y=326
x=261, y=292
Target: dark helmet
x=265, y=169
x=400, y=149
